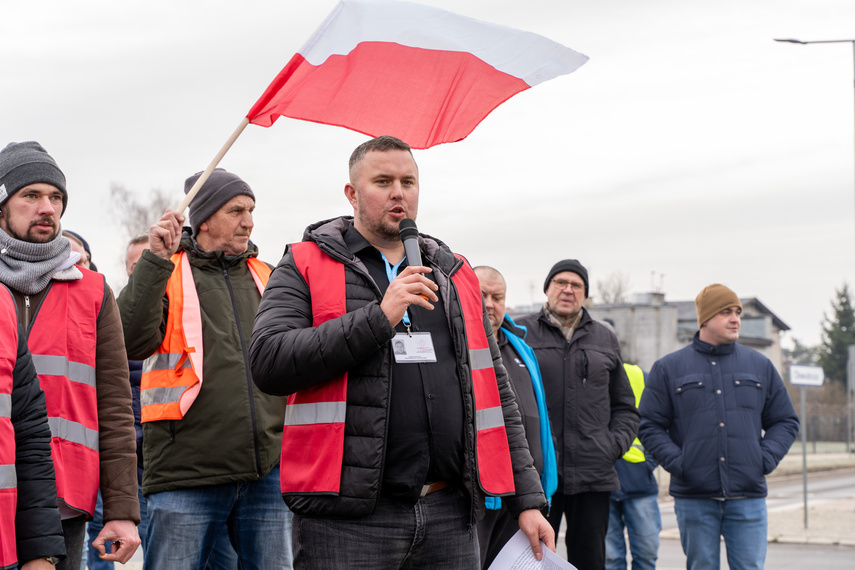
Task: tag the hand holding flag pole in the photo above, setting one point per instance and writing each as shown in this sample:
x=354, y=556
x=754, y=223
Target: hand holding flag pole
x=424, y=75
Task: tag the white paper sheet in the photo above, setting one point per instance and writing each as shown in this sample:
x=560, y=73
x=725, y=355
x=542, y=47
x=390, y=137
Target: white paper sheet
x=517, y=555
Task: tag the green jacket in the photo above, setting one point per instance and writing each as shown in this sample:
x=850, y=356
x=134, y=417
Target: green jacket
x=233, y=431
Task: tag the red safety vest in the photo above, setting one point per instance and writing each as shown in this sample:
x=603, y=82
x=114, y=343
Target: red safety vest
x=172, y=376
x=8, y=478
x=63, y=341
x=313, y=435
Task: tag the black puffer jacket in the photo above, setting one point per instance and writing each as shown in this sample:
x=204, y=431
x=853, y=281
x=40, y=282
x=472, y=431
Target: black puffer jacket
x=37, y=525
x=289, y=354
x=591, y=404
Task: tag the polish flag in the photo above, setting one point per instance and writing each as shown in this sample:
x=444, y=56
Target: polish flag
x=422, y=74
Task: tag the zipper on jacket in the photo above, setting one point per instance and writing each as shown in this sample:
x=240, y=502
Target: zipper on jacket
x=584, y=368
x=171, y=431
x=246, y=368
x=26, y=312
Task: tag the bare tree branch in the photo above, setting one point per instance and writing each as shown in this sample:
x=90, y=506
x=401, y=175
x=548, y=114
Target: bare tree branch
x=132, y=213
x=614, y=288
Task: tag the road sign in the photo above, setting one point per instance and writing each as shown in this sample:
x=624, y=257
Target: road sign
x=806, y=375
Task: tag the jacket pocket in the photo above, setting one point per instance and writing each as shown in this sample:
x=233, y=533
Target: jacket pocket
x=690, y=395
x=748, y=391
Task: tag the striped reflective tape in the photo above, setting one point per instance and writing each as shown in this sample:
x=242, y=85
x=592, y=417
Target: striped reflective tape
x=8, y=477
x=316, y=413
x=155, y=396
x=489, y=418
x=74, y=432
x=52, y=365
x=165, y=361
x=481, y=358
x=5, y=405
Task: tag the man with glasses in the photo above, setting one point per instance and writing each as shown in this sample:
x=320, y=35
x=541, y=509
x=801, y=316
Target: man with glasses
x=591, y=409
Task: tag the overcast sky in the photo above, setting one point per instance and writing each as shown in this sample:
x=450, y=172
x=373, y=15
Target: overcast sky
x=690, y=149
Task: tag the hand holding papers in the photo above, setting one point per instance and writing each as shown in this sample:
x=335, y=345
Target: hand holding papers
x=517, y=555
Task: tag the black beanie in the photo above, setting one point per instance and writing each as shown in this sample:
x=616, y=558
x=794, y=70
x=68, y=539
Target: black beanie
x=567, y=265
x=218, y=189
x=22, y=164
x=85, y=245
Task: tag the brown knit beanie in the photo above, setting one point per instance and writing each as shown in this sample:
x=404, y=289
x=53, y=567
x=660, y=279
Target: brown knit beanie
x=714, y=299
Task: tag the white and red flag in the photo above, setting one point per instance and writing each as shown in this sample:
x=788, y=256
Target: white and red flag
x=419, y=73
x=424, y=75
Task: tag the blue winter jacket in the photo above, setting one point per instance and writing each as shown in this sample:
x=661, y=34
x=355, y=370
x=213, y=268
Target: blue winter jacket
x=704, y=412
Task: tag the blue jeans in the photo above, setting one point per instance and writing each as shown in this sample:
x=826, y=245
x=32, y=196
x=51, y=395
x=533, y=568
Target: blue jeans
x=93, y=528
x=183, y=525
x=742, y=523
x=640, y=516
x=433, y=533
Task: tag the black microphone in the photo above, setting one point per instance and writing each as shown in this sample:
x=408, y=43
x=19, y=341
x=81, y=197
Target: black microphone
x=410, y=236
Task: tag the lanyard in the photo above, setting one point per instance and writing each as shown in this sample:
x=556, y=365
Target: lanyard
x=391, y=273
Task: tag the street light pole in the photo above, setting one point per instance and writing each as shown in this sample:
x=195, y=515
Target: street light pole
x=848, y=384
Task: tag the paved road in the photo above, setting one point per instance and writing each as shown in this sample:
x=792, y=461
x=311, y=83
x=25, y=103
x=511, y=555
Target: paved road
x=785, y=503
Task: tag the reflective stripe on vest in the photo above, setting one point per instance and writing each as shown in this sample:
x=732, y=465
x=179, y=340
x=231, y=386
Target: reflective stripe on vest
x=172, y=376
x=635, y=454
x=491, y=441
x=313, y=435
x=63, y=343
x=8, y=477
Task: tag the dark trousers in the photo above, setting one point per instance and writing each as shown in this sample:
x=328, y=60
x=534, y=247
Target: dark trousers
x=430, y=535
x=587, y=523
x=494, y=531
x=73, y=530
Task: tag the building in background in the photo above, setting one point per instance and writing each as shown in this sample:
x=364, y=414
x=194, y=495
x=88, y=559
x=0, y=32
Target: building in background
x=649, y=327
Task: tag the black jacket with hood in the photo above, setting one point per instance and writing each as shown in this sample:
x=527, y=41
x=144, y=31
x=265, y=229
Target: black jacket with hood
x=288, y=354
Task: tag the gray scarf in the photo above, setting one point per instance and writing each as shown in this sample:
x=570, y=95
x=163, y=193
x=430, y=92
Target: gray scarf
x=29, y=267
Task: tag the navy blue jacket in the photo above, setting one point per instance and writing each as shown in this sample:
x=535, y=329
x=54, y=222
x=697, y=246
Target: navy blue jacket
x=703, y=415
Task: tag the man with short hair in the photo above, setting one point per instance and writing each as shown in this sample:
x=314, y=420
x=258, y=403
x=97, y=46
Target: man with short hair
x=211, y=438
x=717, y=417
x=75, y=336
x=133, y=252
x=498, y=525
x=386, y=458
x=591, y=409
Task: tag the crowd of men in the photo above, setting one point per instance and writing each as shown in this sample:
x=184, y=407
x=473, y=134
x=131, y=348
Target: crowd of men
x=404, y=417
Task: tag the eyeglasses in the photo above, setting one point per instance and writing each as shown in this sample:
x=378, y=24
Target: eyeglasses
x=562, y=284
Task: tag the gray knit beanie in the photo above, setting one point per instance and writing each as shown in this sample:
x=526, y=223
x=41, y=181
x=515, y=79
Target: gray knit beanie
x=22, y=164
x=218, y=189
x=570, y=265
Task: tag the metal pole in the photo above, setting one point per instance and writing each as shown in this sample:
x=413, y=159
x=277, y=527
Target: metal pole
x=804, y=453
x=849, y=380
x=850, y=383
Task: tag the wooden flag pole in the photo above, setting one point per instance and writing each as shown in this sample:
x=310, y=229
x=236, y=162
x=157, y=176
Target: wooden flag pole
x=207, y=172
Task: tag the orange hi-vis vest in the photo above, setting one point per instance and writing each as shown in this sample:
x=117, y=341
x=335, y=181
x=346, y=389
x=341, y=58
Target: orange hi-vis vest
x=63, y=341
x=313, y=435
x=172, y=376
x=8, y=477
